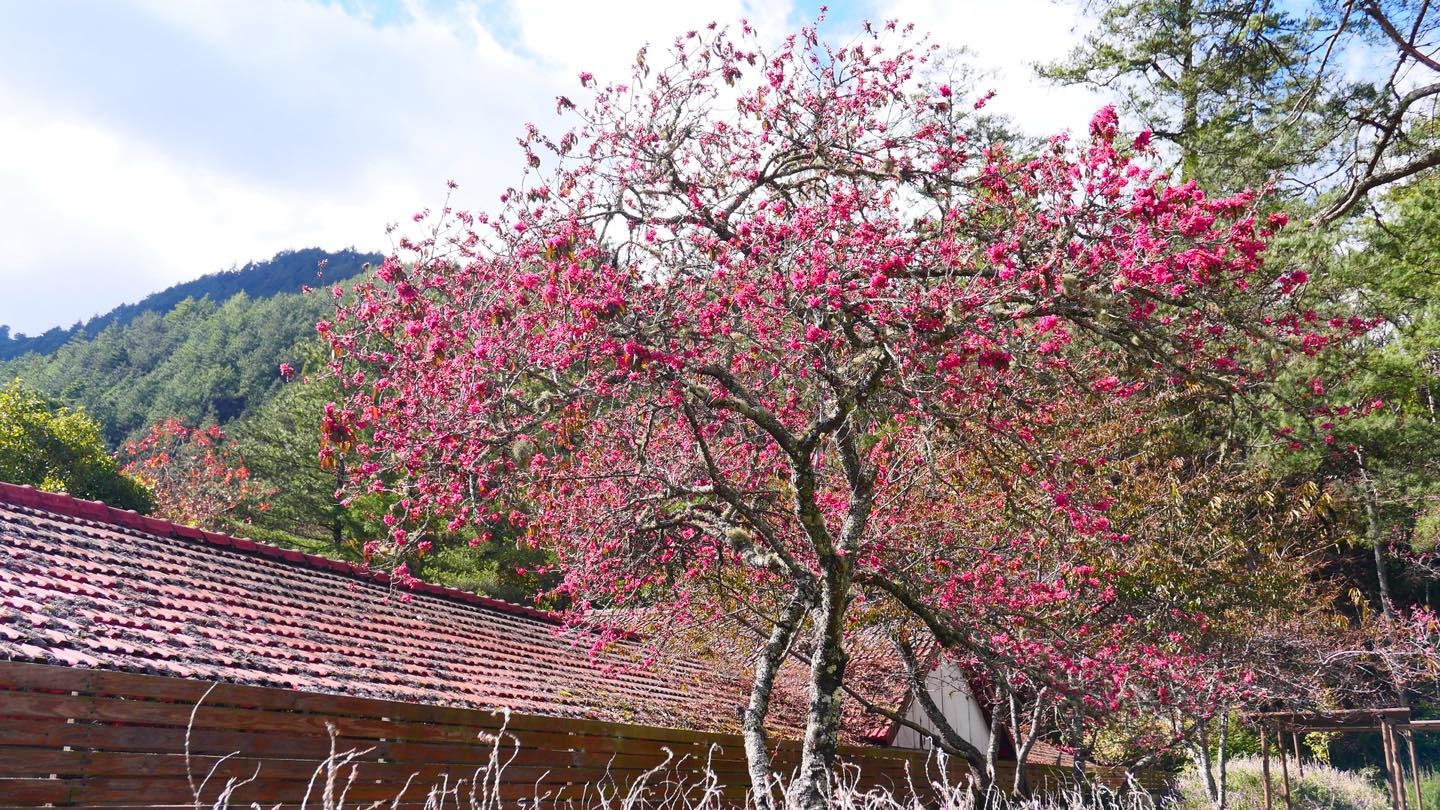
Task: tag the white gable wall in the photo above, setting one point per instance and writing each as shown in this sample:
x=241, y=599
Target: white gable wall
x=950, y=690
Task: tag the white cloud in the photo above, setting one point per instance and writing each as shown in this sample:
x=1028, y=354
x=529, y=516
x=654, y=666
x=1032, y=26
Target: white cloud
x=604, y=38
x=1008, y=37
x=163, y=140
x=171, y=139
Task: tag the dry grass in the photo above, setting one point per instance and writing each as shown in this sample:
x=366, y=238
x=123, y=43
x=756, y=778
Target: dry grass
x=1322, y=788
x=670, y=785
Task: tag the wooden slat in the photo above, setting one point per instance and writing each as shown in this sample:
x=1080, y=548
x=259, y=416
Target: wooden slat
x=37, y=677
x=356, y=733
x=44, y=762
x=33, y=792
x=111, y=790
x=358, y=714
x=119, y=739
x=175, y=789
x=121, y=710
x=48, y=733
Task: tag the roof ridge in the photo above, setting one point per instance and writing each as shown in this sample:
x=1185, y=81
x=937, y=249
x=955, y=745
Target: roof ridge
x=75, y=508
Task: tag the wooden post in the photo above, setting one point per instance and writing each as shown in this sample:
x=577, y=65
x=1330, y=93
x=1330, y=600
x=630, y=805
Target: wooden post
x=1389, y=768
x=1299, y=762
x=1265, y=764
x=1415, y=769
x=1388, y=746
x=1284, y=768
x=1399, y=768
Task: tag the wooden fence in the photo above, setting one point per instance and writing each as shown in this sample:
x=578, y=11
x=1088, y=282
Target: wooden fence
x=93, y=738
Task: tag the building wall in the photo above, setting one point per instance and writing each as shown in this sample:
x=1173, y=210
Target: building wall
x=951, y=692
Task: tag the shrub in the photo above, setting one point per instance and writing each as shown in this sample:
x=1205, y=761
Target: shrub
x=1321, y=787
x=1430, y=789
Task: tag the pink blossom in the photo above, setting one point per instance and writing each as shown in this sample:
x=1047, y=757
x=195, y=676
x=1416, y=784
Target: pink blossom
x=911, y=311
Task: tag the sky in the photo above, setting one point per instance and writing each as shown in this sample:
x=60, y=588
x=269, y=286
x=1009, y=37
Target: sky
x=147, y=142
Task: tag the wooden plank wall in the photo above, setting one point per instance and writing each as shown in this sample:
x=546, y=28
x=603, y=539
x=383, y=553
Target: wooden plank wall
x=94, y=738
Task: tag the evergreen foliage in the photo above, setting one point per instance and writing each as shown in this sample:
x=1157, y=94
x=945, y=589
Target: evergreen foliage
x=1336, y=101
x=201, y=362
x=288, y=271
x=1242, y=93
x=55, y=448
x=1216, y=79
x=280, y=442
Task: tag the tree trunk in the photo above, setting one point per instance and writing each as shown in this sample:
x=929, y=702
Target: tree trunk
x=337, y=510
x=990, y=788
x=1373, y=529
x=1222, y=760
x=1023, y=745
x=767, y=664
x=1200, y=750
x=1082, y=751
x=1189, y=99
x=1382, y=574
x=814, y=786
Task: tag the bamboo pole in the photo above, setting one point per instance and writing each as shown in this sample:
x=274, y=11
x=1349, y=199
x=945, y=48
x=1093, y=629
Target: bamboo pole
x=1265, y=764
x=1389, y=766
x=1284, y=768
x=1299, y=762
x=1387, y=745
x=1399, y=768
x=1415, y=769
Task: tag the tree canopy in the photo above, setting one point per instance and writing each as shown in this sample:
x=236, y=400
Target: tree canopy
x=289, y=271
x=52, y=447
x=1135, y=427
x=785, y=333
x=201, y=362
x=1257, y=90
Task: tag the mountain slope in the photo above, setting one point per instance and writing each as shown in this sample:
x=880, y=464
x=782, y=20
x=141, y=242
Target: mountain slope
x=199, y=360
x=287, y=272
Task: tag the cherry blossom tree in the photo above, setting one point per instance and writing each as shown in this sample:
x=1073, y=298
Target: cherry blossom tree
x=196, y=474
x=770, y=327
x=1072, y=634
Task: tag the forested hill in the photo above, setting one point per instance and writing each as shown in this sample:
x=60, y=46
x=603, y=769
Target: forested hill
x=211, y=358
x=288, y=272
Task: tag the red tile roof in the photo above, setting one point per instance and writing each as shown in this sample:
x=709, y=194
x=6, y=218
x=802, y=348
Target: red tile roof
x=86, y=585
x=83, y=584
